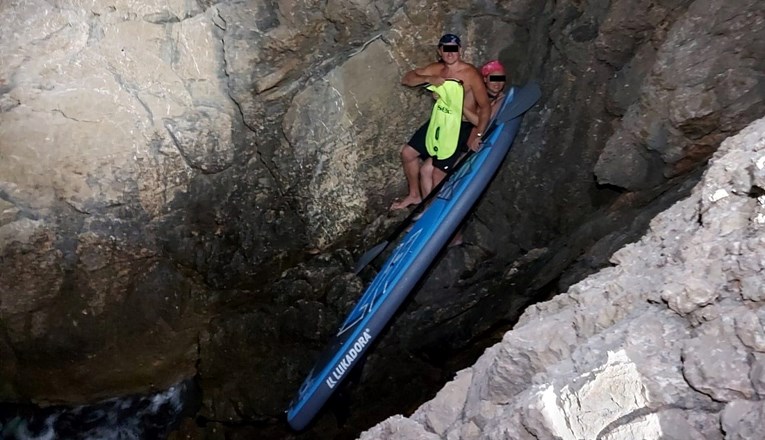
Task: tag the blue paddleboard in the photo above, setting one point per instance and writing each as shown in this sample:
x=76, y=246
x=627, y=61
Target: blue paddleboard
x=410, y=259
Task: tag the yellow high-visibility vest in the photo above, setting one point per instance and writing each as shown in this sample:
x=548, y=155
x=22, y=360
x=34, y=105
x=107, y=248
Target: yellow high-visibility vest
x=445, y=119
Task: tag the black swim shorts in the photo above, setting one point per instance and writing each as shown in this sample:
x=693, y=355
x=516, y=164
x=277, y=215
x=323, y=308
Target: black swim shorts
x=418, y=143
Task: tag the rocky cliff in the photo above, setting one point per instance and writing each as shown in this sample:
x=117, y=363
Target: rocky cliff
x=668, y=342
x=183, y=185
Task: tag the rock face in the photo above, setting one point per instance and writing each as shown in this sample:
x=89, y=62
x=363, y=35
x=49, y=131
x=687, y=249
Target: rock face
x=164, y=167
x=202, y=146
x=689, y=101
x=667, y=343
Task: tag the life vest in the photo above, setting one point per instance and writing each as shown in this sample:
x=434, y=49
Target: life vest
x=445, y=119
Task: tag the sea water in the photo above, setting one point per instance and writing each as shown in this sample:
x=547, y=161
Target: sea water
x=125, y=418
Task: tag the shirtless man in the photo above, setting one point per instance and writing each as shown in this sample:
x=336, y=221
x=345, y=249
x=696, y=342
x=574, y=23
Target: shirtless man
x=423, y=176
x=495, y=78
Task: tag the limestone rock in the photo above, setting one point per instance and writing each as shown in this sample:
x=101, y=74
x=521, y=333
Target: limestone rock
x=678, y=131
x=648, y=369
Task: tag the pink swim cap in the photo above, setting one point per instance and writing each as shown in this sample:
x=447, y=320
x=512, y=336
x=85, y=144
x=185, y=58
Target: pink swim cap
x=493, y=66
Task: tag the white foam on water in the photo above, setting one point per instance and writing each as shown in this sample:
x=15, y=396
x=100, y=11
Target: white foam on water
x=128, y=418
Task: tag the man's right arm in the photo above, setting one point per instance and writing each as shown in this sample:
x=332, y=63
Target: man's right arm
x=424, y=75
x=483, y=110
x=471, y=116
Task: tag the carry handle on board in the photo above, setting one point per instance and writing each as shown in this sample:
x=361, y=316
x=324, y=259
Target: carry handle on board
x=523, y=100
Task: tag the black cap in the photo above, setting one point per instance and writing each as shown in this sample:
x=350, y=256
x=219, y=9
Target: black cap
x=450, y=39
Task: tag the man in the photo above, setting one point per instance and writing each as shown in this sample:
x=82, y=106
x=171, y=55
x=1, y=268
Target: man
x=422, y=172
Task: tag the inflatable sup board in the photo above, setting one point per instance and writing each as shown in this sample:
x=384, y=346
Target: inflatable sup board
x=411, y=258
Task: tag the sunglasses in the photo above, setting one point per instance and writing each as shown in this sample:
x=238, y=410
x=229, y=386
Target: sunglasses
x=497, y=78
x=450, y=48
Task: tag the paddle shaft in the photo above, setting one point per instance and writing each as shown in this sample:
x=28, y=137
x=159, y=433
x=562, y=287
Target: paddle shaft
x=371, y=254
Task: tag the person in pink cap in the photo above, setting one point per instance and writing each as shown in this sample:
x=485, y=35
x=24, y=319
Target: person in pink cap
x=495, y=78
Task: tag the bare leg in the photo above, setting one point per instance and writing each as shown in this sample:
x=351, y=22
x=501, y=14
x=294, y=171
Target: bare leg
x=438, y=176
x=426, y=176
x=410, y=160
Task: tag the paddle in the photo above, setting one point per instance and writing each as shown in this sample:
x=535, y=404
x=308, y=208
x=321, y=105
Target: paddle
x=371, y=254
x=523, y=100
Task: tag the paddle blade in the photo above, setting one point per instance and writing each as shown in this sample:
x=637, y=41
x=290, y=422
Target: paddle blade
x=369, y=256
x=524, y=99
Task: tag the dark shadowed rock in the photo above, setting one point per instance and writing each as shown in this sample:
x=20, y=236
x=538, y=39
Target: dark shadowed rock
x=693, y=81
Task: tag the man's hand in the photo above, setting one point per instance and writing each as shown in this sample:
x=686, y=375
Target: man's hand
x=475, y=144
x=436, y=80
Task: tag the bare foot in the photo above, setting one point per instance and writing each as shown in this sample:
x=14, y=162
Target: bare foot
x=407, y=202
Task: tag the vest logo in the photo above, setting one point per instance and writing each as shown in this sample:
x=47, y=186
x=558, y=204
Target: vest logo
x=444, y=109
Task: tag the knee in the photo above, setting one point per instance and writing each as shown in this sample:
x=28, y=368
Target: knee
x=408, y=153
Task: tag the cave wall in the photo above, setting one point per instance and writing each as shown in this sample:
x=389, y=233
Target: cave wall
x=548, y=219
x=205, y=145
x=164, y=168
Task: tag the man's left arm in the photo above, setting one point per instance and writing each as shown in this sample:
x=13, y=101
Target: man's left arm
x=484, y=109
